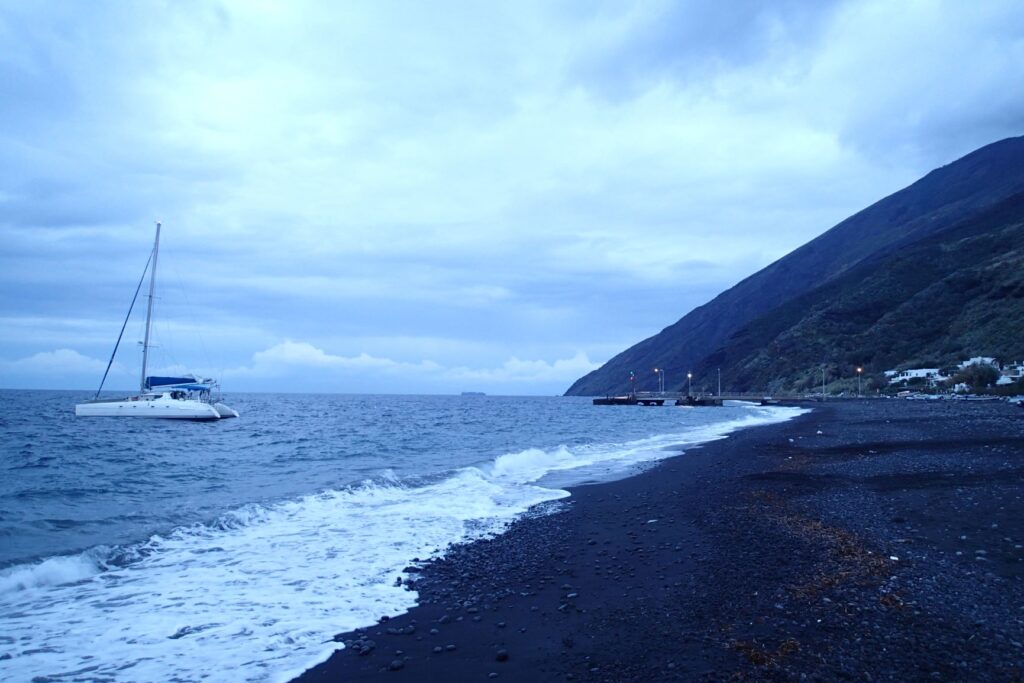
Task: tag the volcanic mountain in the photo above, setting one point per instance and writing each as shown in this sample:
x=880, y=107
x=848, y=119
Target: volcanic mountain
x=927, y=276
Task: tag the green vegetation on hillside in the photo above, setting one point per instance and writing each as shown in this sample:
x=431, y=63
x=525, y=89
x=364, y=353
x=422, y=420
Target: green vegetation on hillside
x=947, y=297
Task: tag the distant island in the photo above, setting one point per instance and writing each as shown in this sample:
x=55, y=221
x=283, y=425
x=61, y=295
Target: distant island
x=473, y=393
x=922, y=279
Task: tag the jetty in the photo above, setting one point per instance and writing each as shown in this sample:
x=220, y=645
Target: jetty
x=660, y=398
x=630, y=400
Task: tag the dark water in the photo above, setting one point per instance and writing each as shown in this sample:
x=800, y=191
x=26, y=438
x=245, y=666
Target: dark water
x=246, y=543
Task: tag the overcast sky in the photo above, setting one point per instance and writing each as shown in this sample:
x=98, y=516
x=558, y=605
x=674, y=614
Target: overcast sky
x=437, y=197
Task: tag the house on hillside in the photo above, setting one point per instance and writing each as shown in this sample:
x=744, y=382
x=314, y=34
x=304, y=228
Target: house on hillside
x=931, y=376
x=1012, y=372
x=979, y=360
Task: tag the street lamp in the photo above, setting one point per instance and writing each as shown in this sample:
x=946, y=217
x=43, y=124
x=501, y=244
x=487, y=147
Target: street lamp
x=689, y=376
x=859, y=371
x=660, y=372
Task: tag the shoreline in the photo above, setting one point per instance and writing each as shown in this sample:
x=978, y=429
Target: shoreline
x=822, y=546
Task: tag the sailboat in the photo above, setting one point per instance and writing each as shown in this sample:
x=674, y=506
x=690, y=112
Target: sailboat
x=183, y=398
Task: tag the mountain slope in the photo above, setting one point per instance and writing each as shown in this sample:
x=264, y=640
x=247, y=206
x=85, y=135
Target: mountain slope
x=948, y=296
x=940, y=200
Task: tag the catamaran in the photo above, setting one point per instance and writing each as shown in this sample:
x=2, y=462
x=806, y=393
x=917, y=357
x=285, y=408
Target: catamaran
x=184, y=398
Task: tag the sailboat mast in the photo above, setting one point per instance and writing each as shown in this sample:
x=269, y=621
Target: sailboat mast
x=149, y=308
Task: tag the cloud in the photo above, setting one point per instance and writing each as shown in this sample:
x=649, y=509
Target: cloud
x=529, y=372
x=637, y=45
x=295, y=362
x=56, y=362
x=289, y=354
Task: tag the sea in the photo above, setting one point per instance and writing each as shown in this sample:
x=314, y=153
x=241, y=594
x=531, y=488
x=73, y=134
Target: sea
x=162, y=550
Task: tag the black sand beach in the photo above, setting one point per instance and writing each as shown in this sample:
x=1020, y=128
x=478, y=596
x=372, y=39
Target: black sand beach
x=866, y=541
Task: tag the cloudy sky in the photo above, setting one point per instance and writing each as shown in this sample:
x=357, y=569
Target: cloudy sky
x=437, y=197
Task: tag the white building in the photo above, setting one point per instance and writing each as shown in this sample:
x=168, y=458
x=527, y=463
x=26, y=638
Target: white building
x=931, y=375
x=979, y=360
x=1015, y=371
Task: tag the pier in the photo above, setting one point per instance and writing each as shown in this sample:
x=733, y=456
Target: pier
x=660, y=398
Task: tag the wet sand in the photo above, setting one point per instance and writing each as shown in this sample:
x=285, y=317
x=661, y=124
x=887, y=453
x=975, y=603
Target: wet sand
x=868, y=541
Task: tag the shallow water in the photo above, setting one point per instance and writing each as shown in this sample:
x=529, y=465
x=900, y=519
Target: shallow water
x=138, y=550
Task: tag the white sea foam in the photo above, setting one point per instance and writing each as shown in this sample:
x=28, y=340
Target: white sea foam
x=610, y=460
x=260, y=592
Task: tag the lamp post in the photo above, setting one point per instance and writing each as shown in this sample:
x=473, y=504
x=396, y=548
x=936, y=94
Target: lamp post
x=719, y=382
x=660, y=373
x=689, y=376
x=859, y=371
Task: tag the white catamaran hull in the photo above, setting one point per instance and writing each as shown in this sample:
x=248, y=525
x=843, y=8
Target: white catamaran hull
x=167, y=408
x=225, y=411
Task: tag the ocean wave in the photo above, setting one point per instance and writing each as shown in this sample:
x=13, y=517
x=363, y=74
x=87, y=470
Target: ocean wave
x=53, y=571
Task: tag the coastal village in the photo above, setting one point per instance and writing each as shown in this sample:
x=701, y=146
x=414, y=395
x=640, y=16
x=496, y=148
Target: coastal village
x=979, y=372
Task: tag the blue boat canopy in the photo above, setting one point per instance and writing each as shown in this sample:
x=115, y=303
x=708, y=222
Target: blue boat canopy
x=187, y=383
x=192, y=387
x=164, y=381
